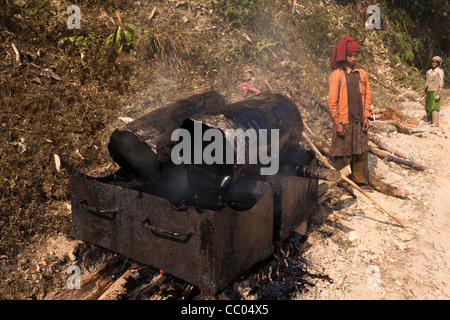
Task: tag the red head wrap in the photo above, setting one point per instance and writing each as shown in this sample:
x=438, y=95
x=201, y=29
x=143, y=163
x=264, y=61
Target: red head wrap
x=344, y=46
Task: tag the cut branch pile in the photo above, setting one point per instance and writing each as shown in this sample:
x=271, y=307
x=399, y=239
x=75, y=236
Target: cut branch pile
x=383, y=146
x=320, y=146
x=392, y=120
x=325, y=162
x=374, y=182
x=385, y=155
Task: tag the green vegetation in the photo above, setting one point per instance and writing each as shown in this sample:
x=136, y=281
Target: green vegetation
x=90, y=49
x=124, y=37
x=239, y=11
x=420, y=29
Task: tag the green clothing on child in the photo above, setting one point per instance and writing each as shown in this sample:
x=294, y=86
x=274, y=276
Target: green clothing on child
x=431, y=103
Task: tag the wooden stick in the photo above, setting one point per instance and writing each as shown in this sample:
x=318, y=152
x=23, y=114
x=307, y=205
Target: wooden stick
x=119, y=288
x=347, y=189
x=156, y=281
x=384, y=155
x=95, y=284
x=371, y=199
x=325, y=162
x=385, y=188
x=17, y=53
x=314, y=172
x=381, y=125
x=383, y=146
x=405, y=128
x=326, y=185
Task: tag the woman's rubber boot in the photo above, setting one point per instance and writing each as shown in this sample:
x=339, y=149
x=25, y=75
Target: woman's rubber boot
x=435, y=118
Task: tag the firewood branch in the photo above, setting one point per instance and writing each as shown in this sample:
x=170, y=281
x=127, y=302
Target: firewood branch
x=325, y=162
x=404, y=128
x=383, y=146
x=385, y=155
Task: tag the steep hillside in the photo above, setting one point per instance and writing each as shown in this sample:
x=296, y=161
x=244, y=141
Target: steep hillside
x=63, y=91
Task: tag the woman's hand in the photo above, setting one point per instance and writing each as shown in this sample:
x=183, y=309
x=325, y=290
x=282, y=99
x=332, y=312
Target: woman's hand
x=366, y=124
x=340, y=131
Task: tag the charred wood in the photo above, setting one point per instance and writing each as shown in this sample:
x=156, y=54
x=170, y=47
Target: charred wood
x=383, y=146
x=385, y=188
x=119, y=288
x=315, y=172
x=326, y=185
x=347, y=188
x=385, y=155
x=154, y=282
x=97, y=283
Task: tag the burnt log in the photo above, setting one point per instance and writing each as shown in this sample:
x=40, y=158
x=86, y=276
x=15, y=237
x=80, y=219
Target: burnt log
x=96, y=283
x=385, y=188
x=385, y=155
x=156, y=281
x=315, y=172
x=243, y=144
x=119, y=288
x=142, y=145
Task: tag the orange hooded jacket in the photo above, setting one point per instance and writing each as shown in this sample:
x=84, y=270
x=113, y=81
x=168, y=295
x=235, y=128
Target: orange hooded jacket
x=337, y=96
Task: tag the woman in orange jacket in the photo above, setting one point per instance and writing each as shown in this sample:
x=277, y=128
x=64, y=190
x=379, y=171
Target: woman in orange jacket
x=349, y=101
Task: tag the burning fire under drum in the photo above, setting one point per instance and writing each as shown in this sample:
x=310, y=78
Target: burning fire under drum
x=195, y=206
